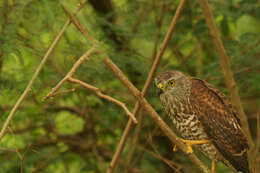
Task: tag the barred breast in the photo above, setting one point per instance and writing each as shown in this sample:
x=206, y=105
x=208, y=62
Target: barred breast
x=188, y=125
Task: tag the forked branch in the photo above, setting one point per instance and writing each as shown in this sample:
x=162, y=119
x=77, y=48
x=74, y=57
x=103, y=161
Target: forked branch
x=69, y=78
x=104, y=96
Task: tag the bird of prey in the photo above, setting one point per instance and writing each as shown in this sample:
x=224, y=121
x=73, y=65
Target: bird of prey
x=204, y=117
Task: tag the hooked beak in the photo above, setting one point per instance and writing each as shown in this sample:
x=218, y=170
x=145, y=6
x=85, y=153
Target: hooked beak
x=160, y=89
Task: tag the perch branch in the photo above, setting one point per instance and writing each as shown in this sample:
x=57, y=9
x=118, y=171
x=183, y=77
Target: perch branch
x=157, y=119
x=36, y=73
x=100, y=94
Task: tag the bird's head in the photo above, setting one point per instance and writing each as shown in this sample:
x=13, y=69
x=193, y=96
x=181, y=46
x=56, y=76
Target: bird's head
x=171, y=82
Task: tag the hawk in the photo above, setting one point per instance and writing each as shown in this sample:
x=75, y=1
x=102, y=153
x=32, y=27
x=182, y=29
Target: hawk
x=204, y=117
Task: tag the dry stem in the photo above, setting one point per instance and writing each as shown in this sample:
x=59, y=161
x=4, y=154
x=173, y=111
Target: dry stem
x=100, y=94
x=62, y=92
x=83, y=58
x=68, y=77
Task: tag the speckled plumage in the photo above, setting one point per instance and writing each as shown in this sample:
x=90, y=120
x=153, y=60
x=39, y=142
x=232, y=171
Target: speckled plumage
x=200, y=111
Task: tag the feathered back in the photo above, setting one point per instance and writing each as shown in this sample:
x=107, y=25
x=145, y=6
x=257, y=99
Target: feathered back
x=220, y=122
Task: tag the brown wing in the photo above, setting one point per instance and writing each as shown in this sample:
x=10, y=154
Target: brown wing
x=220, y=123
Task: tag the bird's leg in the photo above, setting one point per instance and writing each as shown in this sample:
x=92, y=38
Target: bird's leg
x=189, y=143
x=213, y=166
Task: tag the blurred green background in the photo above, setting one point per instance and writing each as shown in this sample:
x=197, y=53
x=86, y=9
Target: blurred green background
x=79, y=132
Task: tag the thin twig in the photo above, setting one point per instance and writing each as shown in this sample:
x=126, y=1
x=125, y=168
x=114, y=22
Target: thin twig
x=258, y=130
x=100, y=94
x=36, y=73
x=158, y=156
x=256, y=162
x=135, y=141
x=62, y=92
x=21, y=157
x=83, y=58
x=81, y=28
x=68, y=77
x=139, y=156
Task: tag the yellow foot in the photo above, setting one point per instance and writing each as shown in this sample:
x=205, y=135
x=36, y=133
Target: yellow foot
x=175, y=148
x=189, y=143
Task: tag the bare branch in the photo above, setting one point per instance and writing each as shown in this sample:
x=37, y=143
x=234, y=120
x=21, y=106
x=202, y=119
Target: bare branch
x=100, y=94
x=21, y=157
x=81, y=28
x=62, y=92
x=83, y=58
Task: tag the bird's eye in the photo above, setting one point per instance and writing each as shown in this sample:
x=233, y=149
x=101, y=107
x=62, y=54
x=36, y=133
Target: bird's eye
x=171, y=82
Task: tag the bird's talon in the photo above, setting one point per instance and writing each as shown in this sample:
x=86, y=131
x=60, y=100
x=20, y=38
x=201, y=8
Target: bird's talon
x=189, y=149
x=175, y=148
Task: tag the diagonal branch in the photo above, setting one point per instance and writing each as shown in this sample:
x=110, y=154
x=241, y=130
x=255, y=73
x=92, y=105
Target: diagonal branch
x=157, y=119
x=68, y=77
x=76, y=65
x=101, y=95
x=146, y=85
x=36, y=73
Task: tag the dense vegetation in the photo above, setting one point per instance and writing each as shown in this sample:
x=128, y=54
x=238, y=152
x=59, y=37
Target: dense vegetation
x=79, y=131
